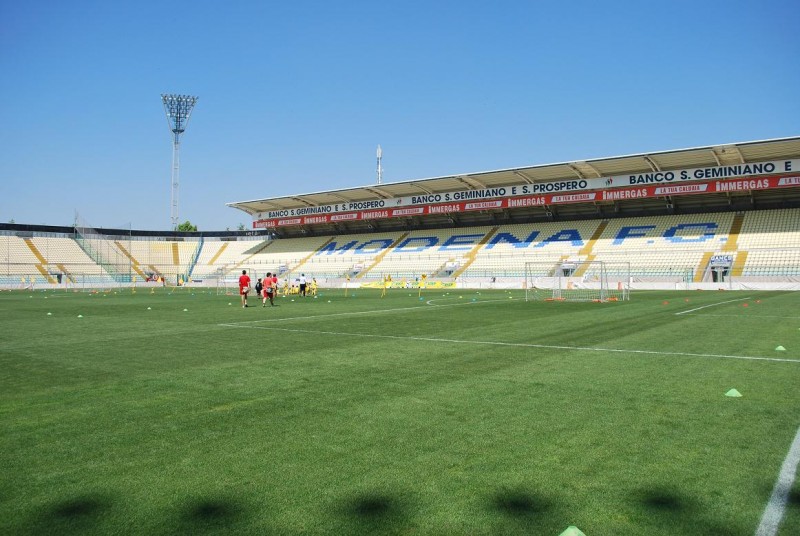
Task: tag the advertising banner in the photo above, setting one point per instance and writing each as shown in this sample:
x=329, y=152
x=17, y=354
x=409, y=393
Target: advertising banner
x=431, y=205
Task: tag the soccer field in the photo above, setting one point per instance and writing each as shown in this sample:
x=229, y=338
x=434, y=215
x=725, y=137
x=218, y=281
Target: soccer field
x=458, y=413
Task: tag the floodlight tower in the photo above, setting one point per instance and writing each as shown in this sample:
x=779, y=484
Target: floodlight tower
x=178, y=109
x=380, y=168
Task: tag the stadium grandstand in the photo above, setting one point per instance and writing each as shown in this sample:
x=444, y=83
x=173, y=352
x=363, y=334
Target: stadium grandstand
x=723, y=216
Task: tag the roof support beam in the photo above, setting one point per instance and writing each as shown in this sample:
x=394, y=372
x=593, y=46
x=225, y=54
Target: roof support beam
x=522, y=176
x=727, y=154
x=471, y=182
x=582, y=167
x=301, y=200
x=423, y=188
x=266, y=206
x=651, y=162
x=337, y=196
x=377, y=191
x=737, y=151
x=576, y=171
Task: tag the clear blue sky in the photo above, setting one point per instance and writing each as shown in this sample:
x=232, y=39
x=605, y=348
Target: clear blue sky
x=296, y=96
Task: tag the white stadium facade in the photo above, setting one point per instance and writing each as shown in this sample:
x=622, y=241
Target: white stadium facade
x=722, y=216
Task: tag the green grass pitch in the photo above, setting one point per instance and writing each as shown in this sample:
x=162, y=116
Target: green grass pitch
x=461, y=413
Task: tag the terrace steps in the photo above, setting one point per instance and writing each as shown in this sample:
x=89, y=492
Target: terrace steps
x=700, y=269
x=134, y=263
x=378, y=258
x=217, y=255
x=42, y=261
x=587, y=249
x=733, y=235
x=470, y=257
x=738, y=263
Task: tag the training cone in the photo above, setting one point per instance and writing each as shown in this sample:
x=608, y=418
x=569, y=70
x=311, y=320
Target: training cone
x=80, y=316
x=149, y=309
x=733, y=393
x=780, y=349
x=186, y=310
x=49, y=314
x=572, y=530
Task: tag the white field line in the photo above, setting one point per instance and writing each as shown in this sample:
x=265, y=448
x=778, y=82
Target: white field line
x=773, y=513
x=355, y=313
x=710, y=305
x=514, y=344
x=746, y=317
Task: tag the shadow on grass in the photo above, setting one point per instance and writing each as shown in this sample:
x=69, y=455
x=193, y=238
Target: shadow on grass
x=794, y=498
x=211, y=514
x=663, y=500
x=672, y=510
x=520, y=503
x=374, y=512
x=85, y=507
x=525, y=511
x=374, y=506
x=74, y=515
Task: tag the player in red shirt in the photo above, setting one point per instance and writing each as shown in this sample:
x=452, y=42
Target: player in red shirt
x=268, y=290
x=244, y=287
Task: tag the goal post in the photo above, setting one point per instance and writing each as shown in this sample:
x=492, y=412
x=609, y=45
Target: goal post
x=219, y=280
x=568, y=280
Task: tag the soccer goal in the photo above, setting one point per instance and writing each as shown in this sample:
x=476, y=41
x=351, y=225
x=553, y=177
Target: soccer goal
x=219, y=280
x=577, y=281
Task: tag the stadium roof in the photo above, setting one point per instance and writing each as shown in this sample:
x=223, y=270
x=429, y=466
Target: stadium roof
x=697, y=157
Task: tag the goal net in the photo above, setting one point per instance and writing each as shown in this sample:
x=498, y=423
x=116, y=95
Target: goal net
x=219, y=279
x=577, y=281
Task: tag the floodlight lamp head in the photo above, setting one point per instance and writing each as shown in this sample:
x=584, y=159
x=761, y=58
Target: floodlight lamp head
x=178, y=109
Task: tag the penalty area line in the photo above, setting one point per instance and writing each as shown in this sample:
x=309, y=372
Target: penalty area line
x=773, y=513
x=516, y=344
x=711, y=305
